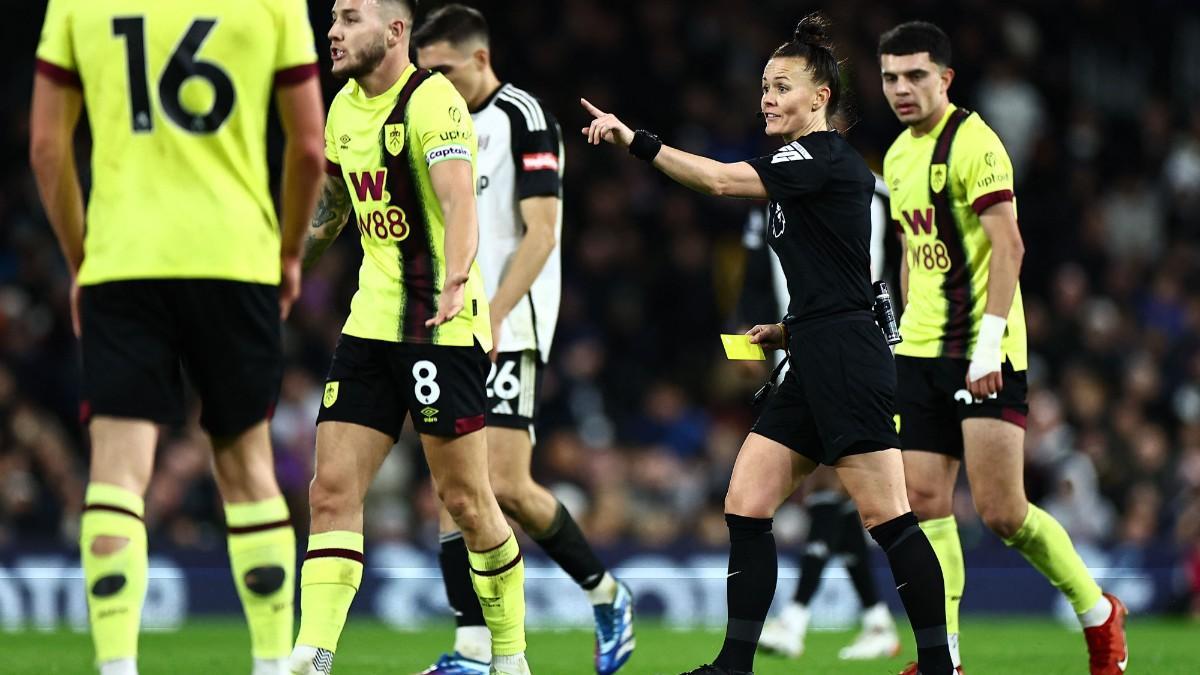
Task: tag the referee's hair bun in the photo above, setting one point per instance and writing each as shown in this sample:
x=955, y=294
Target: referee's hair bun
x=813, y=31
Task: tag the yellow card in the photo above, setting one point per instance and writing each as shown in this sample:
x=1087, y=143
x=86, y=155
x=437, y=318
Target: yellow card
x=739, y=348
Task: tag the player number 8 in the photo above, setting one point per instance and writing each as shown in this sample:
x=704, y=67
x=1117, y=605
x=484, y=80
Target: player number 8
x=426, y=390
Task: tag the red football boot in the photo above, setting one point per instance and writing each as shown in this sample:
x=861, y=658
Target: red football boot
x=1108, y=650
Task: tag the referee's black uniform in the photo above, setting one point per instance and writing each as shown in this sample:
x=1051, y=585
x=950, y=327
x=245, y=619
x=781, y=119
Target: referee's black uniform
x=838, y=398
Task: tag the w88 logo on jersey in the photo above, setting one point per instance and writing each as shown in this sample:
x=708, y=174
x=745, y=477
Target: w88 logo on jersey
x=390, y=223
x=931, y=256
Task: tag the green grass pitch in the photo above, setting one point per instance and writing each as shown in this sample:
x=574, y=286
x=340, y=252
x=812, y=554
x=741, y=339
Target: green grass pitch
x=990, y=646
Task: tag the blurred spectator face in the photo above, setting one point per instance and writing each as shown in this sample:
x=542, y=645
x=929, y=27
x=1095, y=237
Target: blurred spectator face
x=915, y=86
x=465, y=65
x=1070, y=290
x=790, y=99
x=358, y=37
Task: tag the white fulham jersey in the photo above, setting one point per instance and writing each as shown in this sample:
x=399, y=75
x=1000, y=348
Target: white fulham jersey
x=520, y=156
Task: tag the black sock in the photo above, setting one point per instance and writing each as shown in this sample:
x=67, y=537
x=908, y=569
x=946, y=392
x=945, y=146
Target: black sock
x=563, y=541
x=749, y=589
x=919, y=581
x=824, y=535
x=856, y=557
x=456, y=575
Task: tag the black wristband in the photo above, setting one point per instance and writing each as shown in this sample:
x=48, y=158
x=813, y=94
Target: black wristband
x=645, y=145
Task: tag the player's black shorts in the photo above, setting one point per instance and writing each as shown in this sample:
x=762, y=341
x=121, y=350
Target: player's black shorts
x=838, y=396
x=140, y=336
x=513, y=386
x=376, y=384
x=933, y=401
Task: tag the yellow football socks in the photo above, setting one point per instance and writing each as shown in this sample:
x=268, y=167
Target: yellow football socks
x=332, y=573
x=498, y=576
x=116, y=582
x=262, y=553
x=1046, y=545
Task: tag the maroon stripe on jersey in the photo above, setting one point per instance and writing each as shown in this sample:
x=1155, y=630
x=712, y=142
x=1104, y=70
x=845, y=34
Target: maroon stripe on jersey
x=333, y=168
x=956, y=284
x=295, y=75
x=114, y=509
x=59, y=74
x=984, y=201
x=348, y=553
x=261, y=527
x=416, y=249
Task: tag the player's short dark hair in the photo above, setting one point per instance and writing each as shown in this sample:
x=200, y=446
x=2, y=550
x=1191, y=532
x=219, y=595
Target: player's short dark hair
x=409, y=5
x=811, y=41
x=914, y=37
x=453, y=23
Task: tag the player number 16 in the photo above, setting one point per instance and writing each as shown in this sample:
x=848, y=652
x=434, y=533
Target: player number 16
x=182, y=66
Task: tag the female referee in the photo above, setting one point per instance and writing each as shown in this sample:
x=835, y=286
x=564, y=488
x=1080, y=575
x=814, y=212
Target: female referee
x=835, y=405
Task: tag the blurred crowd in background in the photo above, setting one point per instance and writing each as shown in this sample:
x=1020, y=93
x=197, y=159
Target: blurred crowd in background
x=642, y=416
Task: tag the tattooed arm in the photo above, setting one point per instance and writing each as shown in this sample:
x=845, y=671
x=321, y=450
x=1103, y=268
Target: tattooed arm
x=332, y=211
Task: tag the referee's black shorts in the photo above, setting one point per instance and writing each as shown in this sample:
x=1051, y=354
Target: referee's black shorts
x=139, y=337
x=838, y=396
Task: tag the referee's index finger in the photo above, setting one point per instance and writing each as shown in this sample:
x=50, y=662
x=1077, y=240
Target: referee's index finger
x=596, y=112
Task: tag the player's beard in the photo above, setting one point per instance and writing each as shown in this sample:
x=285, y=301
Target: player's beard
x=372, y=55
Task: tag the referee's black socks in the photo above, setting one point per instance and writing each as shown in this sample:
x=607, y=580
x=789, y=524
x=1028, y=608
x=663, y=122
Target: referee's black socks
x=919, y=581
x=749, y=589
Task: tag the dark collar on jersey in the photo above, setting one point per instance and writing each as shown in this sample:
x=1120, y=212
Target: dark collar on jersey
x=491, y=97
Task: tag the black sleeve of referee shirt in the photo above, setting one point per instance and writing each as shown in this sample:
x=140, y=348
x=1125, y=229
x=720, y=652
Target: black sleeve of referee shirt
x=538, y=156
x=756, y=304
x=798, y=168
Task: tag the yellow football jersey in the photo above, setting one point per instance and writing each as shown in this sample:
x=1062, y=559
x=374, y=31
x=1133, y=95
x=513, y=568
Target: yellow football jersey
x=383, y=146
x=177, y=95
x=948, y=250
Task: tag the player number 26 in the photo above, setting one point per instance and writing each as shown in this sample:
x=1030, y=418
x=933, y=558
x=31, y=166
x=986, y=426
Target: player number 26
x=502, y=382
x=182, y=66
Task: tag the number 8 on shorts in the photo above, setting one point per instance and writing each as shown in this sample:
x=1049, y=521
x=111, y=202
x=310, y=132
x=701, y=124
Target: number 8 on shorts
x=425, y=388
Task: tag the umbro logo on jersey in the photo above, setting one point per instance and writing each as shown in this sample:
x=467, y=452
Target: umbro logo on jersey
x=790, y=153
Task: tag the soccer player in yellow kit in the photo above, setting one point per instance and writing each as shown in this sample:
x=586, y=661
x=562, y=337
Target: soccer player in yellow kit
x=182, y=264
x=961, y=366
x=400, y=149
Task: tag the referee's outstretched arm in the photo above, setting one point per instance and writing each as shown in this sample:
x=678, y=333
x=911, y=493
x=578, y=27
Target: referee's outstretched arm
x=698, y=173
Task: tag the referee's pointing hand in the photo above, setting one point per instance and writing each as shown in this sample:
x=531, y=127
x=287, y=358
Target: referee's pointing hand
x=606, y=127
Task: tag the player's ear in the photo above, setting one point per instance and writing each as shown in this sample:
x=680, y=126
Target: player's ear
x=481, y=57
x=947, y=78
x=397, y=29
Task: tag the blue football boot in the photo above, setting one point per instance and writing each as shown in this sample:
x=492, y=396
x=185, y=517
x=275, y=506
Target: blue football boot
x=457, y=664
x=614, y=632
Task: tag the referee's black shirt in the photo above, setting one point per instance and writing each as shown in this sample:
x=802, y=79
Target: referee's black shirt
x=819, y=223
